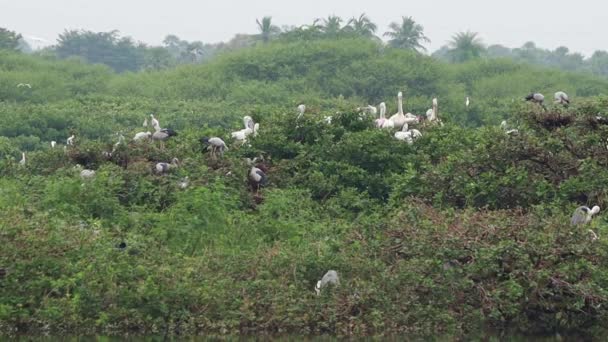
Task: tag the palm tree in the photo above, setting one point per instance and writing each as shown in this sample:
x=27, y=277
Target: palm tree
x=408, y=35
x=267, y=30
x=465, y=46
x=332, y=25
x=362, y=26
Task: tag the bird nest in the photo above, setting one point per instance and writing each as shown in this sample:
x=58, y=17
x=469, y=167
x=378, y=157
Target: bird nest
x=553, y=120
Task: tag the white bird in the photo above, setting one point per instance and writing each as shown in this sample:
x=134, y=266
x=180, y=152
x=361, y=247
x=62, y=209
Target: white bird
x=24, y=85
x=369, y=109
x=408, y=135
x=467, y=102
x=250, y=128
x=433, y=112
x=154, y=123
x=216, y=144
x=145, y=122
x=121, y=139
x=399, y=118
x=301, y=110
x=142, y=135
x=331, y=277
x=22, y=161
x=87, y=174
x=380, y=121
x=165, y=167
x=327, y=119
x=53, y=143
x=583, y=215
x=106, y=154
x=184, y=183
x=561, y=98
x=505, y=127
x=256, y=128
x=70, y=140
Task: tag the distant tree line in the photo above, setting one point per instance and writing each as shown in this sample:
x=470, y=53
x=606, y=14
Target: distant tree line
x=124, y=54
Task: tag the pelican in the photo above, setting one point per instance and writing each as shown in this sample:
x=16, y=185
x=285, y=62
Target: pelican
x=53, y=143
x=399, y=118
x=380, y=121
x=70, y=140
x=165, y=167
x=162, y=135
x=24, y=85
x=561, y=98
x=216, y=144
x=583, y=215
x=331, y=277
x=154, y=123
x=467, y=102
x=408, y=135
x=433, y=112
x=142, y=135
x=22, y=161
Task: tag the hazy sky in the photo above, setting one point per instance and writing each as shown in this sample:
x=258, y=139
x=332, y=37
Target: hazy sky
x=580, y=25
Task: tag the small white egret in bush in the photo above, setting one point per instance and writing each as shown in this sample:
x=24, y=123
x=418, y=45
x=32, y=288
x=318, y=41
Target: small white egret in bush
x=53, y=143
x=508, y=130
x=583, y=215
x=162, y=135
x=154, y=123
x=216, y=144
x=142, y=135
x=27, y=85
x=22, y=161
x=327, y=119
x=331, y=277
x=467, y=102
x=301, y=110
x=165, y=167
x=184, y=183
x=561, y=98
x=70, y=140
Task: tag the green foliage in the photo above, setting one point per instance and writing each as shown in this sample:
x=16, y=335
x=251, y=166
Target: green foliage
x=464, y=230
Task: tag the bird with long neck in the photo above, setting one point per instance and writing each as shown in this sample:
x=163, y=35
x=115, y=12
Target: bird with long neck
x=380, y=121
x=22, y=161
x=399, y=118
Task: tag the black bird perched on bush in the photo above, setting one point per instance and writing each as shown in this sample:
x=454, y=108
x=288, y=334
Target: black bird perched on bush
x=536, y=98
x=163, y=135
x=216, y=144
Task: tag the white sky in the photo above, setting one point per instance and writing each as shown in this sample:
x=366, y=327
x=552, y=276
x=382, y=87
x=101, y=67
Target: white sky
x=580, y=25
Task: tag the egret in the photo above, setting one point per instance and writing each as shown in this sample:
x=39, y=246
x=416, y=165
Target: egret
x=327, y=119
x=165, y=167
x=184, y=183
x=467, y=102
x=162, y=135
x=154, y=123
x=142, y=135
x=301, y=110
x=24, y=85
x=331, y=277
x=121, y=139
x=70, y=140
x=22, y=161
x=561, y=98
x=505, y=127
x=145, y=122
x=583, y=215
x=53, y=143
x=216, y=145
